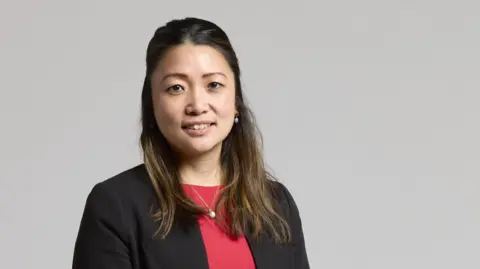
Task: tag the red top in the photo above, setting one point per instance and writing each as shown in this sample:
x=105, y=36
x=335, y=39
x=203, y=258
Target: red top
x=222, y=251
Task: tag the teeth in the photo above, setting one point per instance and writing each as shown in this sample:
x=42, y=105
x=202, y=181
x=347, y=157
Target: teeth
x=198, y=126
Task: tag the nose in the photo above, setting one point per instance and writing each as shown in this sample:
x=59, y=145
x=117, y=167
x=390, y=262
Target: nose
x=197, y=102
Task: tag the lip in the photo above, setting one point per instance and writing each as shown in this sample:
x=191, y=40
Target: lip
x=199, y=132
x=188, y=123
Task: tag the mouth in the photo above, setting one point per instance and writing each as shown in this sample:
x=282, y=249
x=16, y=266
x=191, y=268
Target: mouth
x=197, y=126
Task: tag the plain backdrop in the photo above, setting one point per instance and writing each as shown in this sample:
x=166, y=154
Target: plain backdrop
x=369, y=111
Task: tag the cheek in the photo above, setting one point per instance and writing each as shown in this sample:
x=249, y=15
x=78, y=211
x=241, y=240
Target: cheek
x=226, y=108
x=165, y=113
x=226, y=112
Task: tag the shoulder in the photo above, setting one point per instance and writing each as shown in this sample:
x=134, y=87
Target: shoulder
x=125, y=189
x=122, y=202
x=129, y=182
x=284, y=198
x=109, y=220
x=134, y=177
x=292, y=215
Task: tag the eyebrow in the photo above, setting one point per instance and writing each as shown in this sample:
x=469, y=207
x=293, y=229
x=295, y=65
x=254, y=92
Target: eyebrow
x=185, y=76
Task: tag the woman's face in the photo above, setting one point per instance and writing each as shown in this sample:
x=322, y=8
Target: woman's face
x=193, y=91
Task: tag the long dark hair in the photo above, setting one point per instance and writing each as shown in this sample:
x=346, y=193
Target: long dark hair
x=248, y=185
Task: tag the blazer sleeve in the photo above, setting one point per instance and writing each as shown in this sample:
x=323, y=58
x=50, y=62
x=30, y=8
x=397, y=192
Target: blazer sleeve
x=102, y=239
x=298, y=240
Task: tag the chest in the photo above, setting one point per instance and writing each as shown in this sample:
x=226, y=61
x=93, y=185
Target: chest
x=201, y=247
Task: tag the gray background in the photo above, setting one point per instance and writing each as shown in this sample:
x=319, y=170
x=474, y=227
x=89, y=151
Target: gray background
x=369, y=111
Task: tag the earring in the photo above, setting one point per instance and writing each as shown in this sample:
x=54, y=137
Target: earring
x=236, y=119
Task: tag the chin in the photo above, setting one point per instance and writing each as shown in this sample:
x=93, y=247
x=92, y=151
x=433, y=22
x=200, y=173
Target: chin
x=196, y=149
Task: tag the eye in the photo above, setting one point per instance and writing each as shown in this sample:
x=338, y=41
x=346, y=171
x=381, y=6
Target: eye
x=214, y=85
x=175, y=88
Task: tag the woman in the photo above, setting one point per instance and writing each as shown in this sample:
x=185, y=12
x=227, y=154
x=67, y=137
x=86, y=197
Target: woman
x=203, y=198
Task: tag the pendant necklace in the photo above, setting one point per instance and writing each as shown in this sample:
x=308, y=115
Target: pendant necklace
x=211, y=214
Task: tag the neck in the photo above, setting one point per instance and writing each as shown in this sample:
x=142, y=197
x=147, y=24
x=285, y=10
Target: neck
x=201, y=170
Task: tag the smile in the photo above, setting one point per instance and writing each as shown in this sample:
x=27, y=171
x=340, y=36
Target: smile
x=198, y=126
x=198, y=129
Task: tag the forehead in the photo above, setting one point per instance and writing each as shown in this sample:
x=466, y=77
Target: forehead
x=190, y=58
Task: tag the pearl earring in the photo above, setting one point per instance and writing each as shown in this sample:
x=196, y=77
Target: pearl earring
x=236, y=119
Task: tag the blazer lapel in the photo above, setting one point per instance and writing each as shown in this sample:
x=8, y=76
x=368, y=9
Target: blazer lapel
x=267, y=254
x=183, y=248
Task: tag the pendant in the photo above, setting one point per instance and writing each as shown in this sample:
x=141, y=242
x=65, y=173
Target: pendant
x=211, y=214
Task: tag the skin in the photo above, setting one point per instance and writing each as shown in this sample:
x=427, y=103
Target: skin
x=194, y=83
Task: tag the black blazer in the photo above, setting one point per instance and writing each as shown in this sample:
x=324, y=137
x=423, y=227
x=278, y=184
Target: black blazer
x=116, y=232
